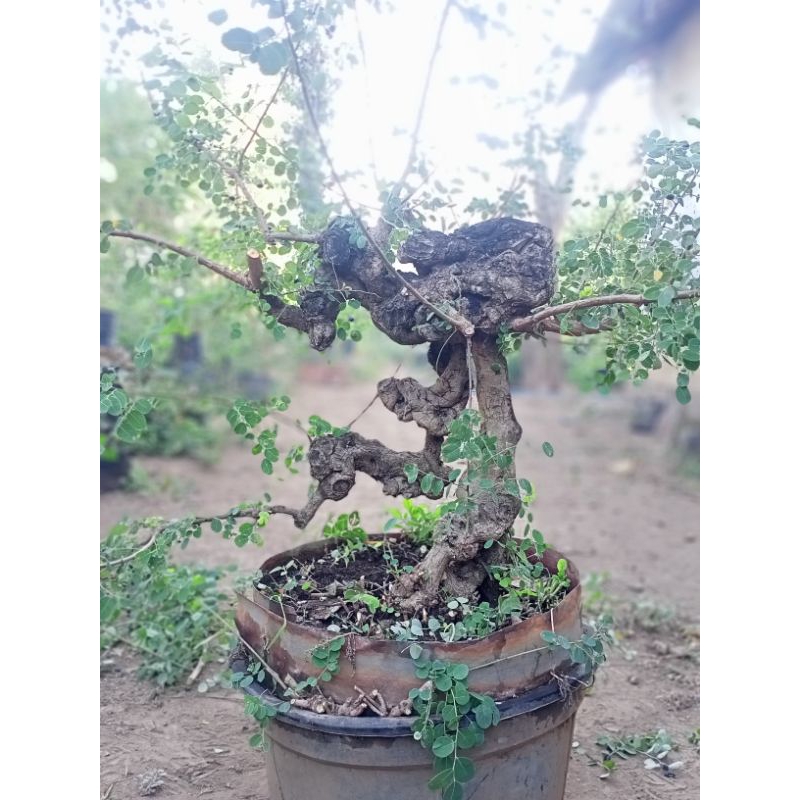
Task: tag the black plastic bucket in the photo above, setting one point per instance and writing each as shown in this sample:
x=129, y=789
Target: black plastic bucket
x=525, y=757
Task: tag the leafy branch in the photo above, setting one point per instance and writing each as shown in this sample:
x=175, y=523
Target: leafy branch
x=531, y=323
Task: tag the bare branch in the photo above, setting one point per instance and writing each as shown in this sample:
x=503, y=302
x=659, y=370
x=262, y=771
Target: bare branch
x=421, y=111
x=231, y=112
x=367, y=407
x=576, y=328
x=261, y=118
x=220, y=269
x=301, y=518
x=214, y=266
x=529, y=324
x=264, y=226
x=290, y=315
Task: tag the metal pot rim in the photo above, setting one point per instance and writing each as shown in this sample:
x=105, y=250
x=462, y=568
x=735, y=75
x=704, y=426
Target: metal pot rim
x=551, y=555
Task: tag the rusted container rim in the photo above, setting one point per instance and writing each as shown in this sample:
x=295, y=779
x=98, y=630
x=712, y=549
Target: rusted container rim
x=549, y=558
x=579, y=678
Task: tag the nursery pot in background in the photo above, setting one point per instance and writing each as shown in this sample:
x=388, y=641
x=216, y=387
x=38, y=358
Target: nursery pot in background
x=362, y=758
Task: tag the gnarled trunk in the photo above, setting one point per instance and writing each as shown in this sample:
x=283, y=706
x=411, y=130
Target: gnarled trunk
x=487, y=275
x=456, y=560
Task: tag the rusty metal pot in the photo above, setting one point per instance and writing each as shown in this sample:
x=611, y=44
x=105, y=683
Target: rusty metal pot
x=363, y=758
x=507, y=663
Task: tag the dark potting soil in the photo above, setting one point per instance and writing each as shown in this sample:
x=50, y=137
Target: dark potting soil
x=347, y=590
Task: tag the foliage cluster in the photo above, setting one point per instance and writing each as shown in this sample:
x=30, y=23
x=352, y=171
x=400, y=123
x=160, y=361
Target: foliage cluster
x=172, y=616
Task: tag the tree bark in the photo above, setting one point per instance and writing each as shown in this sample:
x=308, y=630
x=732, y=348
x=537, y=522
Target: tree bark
x=455, y=563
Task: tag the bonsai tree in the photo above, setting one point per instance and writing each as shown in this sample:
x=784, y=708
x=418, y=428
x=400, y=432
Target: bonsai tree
x=471, y=295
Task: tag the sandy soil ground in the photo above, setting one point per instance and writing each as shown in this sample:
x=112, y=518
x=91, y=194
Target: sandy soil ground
x=620, y=504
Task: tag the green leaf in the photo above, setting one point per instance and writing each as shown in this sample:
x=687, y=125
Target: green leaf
x=441, y=779
x=633, y=229
x=240, y=40
x=683, y=379
x=683, y=394
x=218, y=17
x=272, y=58
x=443, y=683
x=143, y=354
x=443, y=746
x=216, y=525
x=426, y=484
x=108, y=608
x=666, y=296
x=548, y=449
x=411, y=471
x=130, y=426
x=105, y=245
x=459, y=671
x=455, y=791
x=415, y=651
x=577, y=654
x=463, y=769
x=694, y=122
x=113, y=403
x=134, y=275
x=652, y=292
x=484, y=716
x=256, y=740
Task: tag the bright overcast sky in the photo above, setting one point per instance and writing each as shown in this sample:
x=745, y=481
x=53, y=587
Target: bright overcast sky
x=398, y=46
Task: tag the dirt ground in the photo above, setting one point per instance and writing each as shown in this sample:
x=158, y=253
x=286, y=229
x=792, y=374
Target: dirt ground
x=622, y=505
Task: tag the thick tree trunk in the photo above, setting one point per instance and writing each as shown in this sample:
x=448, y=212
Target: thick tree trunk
x=488, y=275
x=456, y=562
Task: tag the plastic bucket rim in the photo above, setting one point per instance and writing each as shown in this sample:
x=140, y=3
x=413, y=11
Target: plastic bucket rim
x=540, y=697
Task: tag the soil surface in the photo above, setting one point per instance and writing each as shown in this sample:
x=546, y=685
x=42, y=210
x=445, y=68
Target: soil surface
x=624, y=506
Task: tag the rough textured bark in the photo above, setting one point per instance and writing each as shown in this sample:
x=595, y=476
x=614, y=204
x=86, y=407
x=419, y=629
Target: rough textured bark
x=335, y=460
x=490, y=274
x=455, y=561
x=431, y=407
